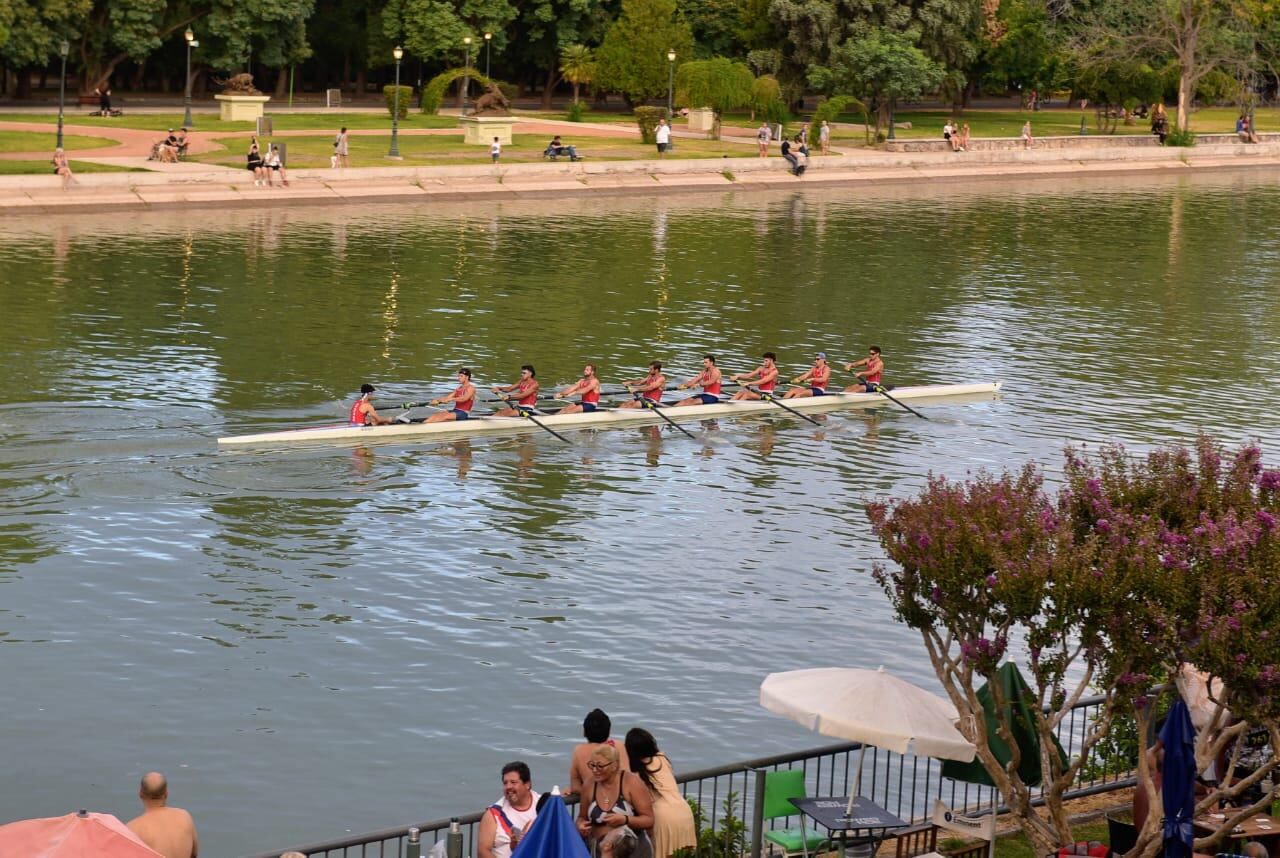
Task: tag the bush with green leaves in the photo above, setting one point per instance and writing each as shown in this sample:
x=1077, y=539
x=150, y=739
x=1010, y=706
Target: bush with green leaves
x=433, y=92
x=647, y=118
x=400, y=97
x=728, y=839
x=575, y=111
x=1180, y=138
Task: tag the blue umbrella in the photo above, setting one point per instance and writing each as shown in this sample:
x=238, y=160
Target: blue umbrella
x=552, y=834
x=1179, y=739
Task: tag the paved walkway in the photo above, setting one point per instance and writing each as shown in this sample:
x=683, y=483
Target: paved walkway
x=200, y=185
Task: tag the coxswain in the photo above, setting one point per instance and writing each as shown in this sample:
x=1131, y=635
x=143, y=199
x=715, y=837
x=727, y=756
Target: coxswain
x=870, y=376
x=648, y=390
x=765, y=378
x=587, y=388
x=709, y=380
x=463, y=398
x=524, y=392
x=363, y=413
x=816, y=377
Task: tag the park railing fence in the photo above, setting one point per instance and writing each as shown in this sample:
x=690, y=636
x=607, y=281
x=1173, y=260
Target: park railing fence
x=905, y=785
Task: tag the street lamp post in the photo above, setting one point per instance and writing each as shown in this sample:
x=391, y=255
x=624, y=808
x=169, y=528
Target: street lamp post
x=466, y=73
x=398, y=53
x=488, y=42
x=63, y=49
x=186, y=99
x=671, y=83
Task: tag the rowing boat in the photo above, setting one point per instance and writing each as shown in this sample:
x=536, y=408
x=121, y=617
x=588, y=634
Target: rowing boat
x=612, y=418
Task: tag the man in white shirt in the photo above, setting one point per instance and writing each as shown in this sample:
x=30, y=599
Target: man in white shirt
x=663, y=136
x=504, y=823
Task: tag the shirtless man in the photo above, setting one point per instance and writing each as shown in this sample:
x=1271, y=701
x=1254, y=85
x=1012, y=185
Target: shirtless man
x=816, y=377
x=463, y=398
x=363, y=413
x=765, y=377
x=708, y=380
x=168, y=830
x=648, y=390
x=588, y=387
x=524, y=392
x=870, y=376
x=595, y=729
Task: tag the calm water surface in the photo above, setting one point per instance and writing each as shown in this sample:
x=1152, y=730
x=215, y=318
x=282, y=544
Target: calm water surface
x=317, y=641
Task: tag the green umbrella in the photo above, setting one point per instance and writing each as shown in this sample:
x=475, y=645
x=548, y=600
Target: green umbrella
x=1019, y=702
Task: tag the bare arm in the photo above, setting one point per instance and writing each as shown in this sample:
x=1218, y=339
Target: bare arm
x=641, y=802
x=484, y=837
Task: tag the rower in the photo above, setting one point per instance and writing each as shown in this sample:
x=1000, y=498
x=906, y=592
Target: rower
x=816, y=378
x=870, y=376
x=588, y=387
x=708, y=380
x=524, y=391
x=463, y=398
x=648, y=390
x=765, y=376
x=362, y=411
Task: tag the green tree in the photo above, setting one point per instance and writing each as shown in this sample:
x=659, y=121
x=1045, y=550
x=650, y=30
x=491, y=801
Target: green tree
x=119, y=30
x=434, y=30
x=40, y=26
x=884, y=67
x=633, y=57
x=720, y=84
x=715, y=25
x=546, y=28
x=272, y=32
x=578, y=66
x=1020, y=48
x=1109, y=85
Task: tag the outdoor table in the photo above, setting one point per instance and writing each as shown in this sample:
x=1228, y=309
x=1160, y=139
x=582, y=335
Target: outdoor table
x=868, y=824
x=1260, y=827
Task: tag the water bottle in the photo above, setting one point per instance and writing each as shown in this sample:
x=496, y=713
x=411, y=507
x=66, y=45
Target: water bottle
x=413, y=848
x=453, y=840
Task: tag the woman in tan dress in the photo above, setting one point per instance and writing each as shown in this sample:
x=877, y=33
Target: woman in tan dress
x=673, y=820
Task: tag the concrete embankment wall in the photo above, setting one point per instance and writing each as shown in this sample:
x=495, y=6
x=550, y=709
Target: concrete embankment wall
x=21, y=195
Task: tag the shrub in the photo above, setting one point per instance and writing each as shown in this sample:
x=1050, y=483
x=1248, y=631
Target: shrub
x=716, y=841
x=575, y=112
x=647, y=118
x=433, y=92
x=1180, y=138
x=400, y=100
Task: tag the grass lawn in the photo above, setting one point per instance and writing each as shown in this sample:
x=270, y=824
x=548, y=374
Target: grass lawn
x=39, y=141
x=1018, y=846
x=16, y=168
x=432, y=150
x=211, y=122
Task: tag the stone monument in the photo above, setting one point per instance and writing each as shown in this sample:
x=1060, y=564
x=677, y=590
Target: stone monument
x=240, y=100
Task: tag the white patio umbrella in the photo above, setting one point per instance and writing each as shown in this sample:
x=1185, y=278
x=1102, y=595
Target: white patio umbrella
x=867, y=706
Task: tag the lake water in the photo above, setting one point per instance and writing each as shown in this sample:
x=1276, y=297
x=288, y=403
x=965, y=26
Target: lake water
x=312, y=642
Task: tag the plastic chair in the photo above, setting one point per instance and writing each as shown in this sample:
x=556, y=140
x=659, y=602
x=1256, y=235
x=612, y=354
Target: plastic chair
x=1123, y=835
x=779, y=788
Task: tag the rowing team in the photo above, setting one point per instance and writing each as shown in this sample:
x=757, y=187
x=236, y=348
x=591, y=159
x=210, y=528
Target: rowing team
x=646, y=392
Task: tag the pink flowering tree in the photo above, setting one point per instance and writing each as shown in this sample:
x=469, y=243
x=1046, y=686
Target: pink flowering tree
x=1134, y=568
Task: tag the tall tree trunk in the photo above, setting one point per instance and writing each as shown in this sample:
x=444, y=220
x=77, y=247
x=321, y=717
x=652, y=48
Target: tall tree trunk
x=282, y=82
x=44, y=77
x=549, y=88
x=138, y=81
x=24, y=84
x=362, y=79
x=345, y=85
x=1185, y=90
x=575, y=92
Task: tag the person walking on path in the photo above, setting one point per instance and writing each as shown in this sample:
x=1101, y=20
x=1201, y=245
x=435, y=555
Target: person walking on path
x=168, y=830
x=62, y=168
x=762, y=139
x=824, y=138
x=663, y=137
x=1026, y=135
x=340, y=146
x=495, y=150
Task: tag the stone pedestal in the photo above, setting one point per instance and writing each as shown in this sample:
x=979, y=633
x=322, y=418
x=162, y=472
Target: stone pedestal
x=702, y=119
x=480, y=130
x=241, y=108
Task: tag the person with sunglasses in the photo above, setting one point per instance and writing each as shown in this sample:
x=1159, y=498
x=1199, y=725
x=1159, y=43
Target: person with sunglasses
x=816, y=378
x=870, y=376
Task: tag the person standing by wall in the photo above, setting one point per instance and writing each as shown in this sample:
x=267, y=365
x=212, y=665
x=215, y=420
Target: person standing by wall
x=168, y=830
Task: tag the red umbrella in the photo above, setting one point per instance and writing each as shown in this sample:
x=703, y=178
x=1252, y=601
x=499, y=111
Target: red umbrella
x=76, y=835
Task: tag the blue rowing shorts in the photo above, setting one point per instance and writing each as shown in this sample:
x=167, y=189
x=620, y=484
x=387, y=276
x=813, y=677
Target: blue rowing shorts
x=588, y=407
x=525, y=410
x=818, y=391
x=459, y=414
x=709, y=398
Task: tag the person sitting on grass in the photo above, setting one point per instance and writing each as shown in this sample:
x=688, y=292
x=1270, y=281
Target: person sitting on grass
x=557, y=149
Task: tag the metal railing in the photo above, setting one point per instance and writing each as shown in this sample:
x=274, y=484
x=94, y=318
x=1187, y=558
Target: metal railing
x=905, y=785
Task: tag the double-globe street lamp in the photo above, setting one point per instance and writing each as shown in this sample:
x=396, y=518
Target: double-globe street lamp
x=398, y=53
x=63, y=49
x=186, y=99
x=466, y=72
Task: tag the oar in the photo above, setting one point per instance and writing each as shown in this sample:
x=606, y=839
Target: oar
x=769, y=397
x=880, y=390
x=536, y=422
x=658, y=411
